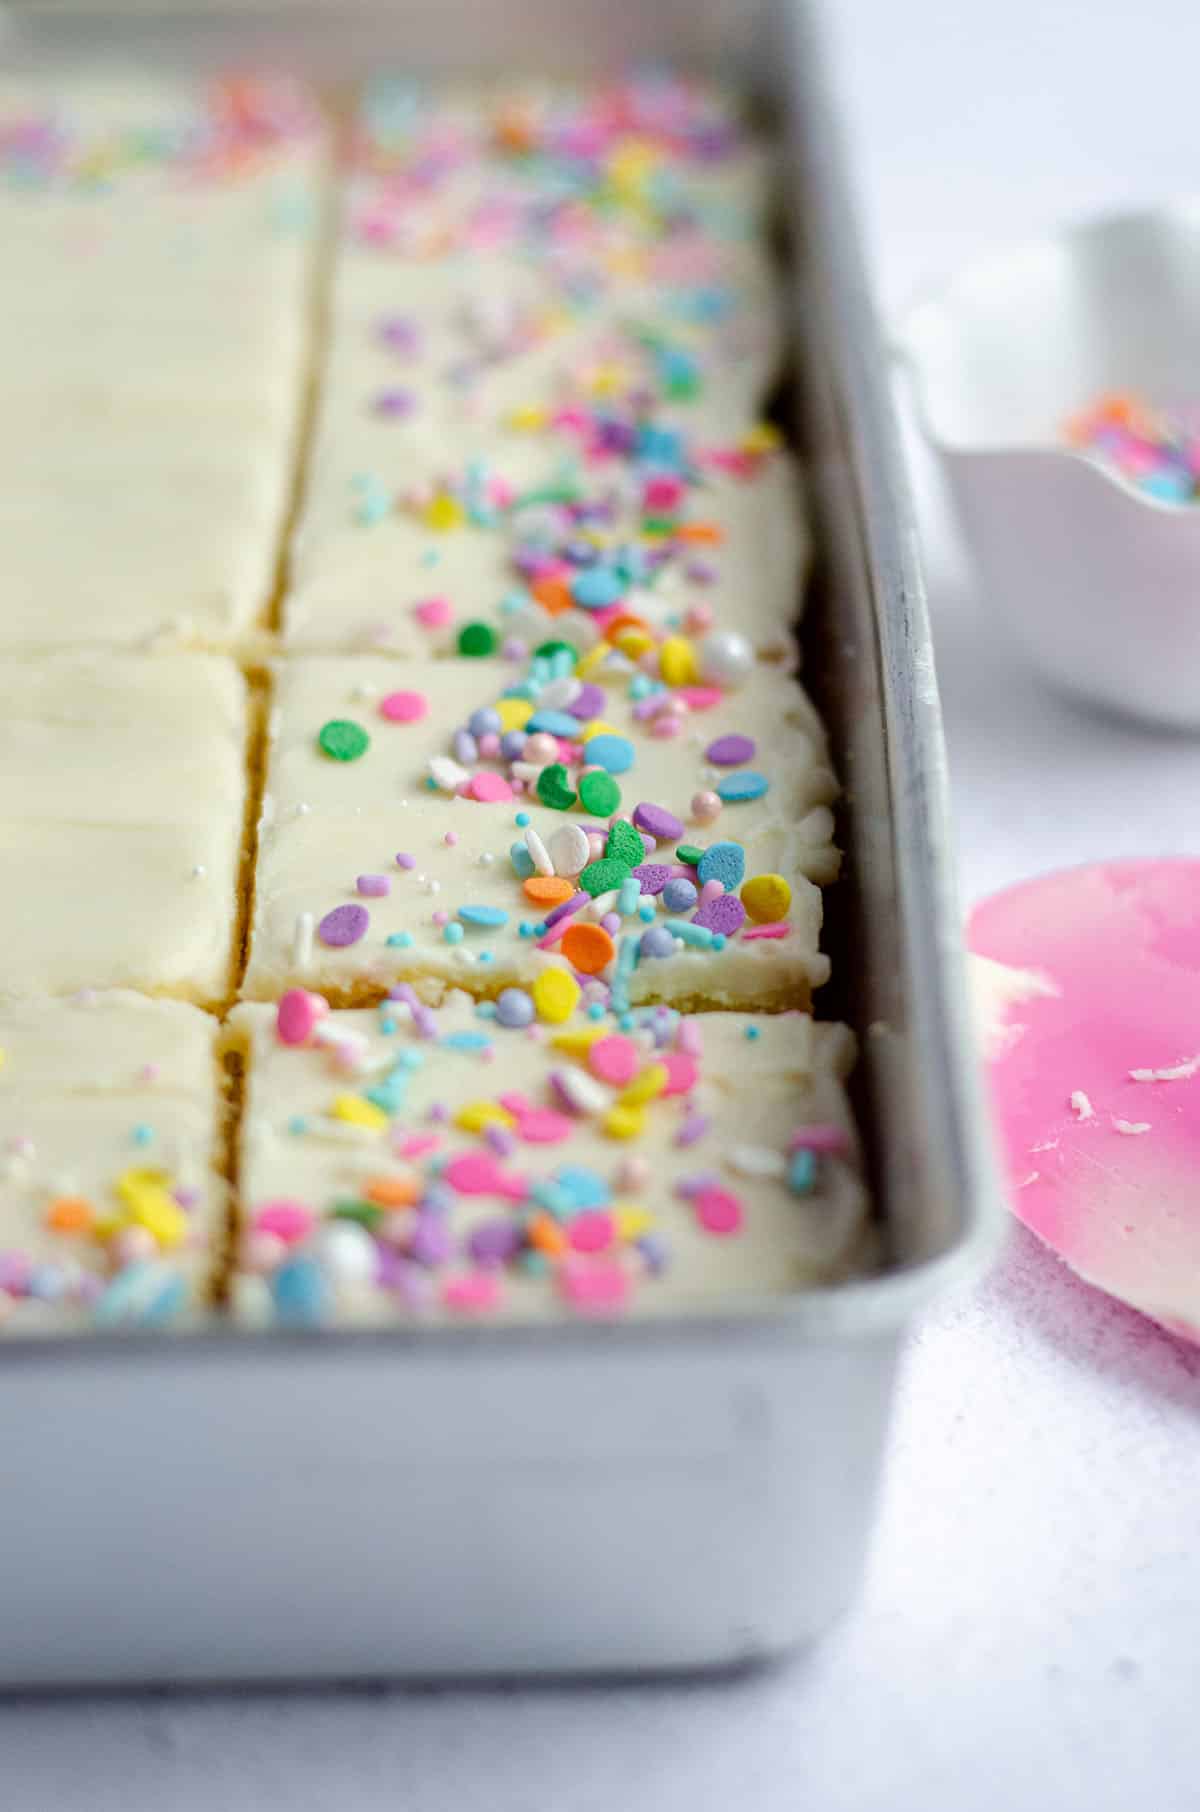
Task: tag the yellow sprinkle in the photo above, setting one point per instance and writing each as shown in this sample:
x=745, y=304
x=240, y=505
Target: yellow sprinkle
x=443, y=512
x=634, y=643
x=597, y=726
x=3, y=1055
x=590, y=661
x=677, y=661
x=528, y=418
x=360, y=1112
x=625, y=1122
x=477, y=1116
x=555, y=995
x=766, y=898
x=632, y=1222
x=577, y=1044
x=762, y=439
x=646, y=1085
x=147, y=1196
x=514, y=713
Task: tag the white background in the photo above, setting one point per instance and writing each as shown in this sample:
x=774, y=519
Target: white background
x=1027, y=1640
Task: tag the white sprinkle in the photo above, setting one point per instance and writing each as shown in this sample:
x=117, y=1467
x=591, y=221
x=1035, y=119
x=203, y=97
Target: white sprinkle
x=603, y=903
x=486, y=859
x=1031, y=1178
x=538, y=851
x=447, y=774
x=1045, y=1145
x=1081, y=1107
x=584, y=1093
x=303, y=809
x=1178, y=1073
x=199, y=872
x=756, y=1161
x=302, y=940
x=1131, y=1126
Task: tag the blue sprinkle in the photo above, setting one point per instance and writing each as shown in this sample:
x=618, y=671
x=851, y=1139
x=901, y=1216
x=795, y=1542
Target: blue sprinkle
x=679, y=895
x=399, y=940
x=412, y=1059
x=745, y=785
x=482, y=915
x=595, y=588
x=584, y=1188
x=300, y=1293
x=143, y=1295
x=723, y=862
x=485, y=956
x=467, y=1041
x=802, y=1172
x=297, y=1125
x=557, y=723
x=143, y=1135
x=606, y=751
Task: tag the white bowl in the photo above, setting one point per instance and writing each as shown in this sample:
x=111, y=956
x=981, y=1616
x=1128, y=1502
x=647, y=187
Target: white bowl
x=1099, y=582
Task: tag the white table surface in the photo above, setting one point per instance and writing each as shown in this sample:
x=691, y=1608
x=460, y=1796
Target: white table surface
x=1027, y=1638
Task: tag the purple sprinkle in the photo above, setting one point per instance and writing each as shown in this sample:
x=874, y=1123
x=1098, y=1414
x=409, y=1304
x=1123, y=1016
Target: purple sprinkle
x=344, y=925
x=398, y=333
x=566, y=908
x=589, y=702
x=393, y=403
x=438, y=1113
x=511, y=744
x=658, y=941
x=696, y=1184
x=649, y=706
x=657, y=822
x=494, y=1242
x=654, y=1250
x=700, y=572
x=500, y=1140
x=404, y=860
x=724, y=915
x=512, y=648
x=653, y=876
x=373, y=887
x=611, y=923
x=693, y=1128
x=728, y=751
x=466, y=749
x=431, y=1243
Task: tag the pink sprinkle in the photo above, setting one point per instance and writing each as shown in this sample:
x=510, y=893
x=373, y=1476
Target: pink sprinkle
x=717, y=1211
x=373, y=887
x=614, y=1059
x=689, y=1038
x=823, y=1138
x=489, y=789
x=433, y=613
x=474, y=1173
x=441, y=918
x=665, y=726
x=288, y=1220
x=473, y=1293
x=779, y=929
x=416, y=1145
x=556, y=930
x=700, y=698
x=149, y=1072
x=489, y=745
x=543, y=1126
x=593, y=1288
x=296, y=1015
x=404, y=860
x=682, y=1072
x=592, y=1230
x=450, y=839
x=403, y=707
x=711, y=890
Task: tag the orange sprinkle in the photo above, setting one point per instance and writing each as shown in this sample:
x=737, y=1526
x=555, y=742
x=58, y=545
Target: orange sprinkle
x=588, y=948
x=548, y=890
x=552, y=594
x=393, y=1192
x=70, y=1214
x=545, y=1233
x=709, y=532
x=624, y=619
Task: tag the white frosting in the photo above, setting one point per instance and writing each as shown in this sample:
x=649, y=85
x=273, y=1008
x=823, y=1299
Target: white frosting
x=91, y=1090
x=751, y=1096
x=121, y=815
x=325, y=823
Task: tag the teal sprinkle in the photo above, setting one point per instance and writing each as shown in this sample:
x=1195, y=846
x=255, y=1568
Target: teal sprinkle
x=143, y=1295
x=526, y=928
x=399, y=940
x=547, y=1194
x=485, y=956
x=719, y=940
x=486, y=1010
x=453, y=933
x=534, y=1264
x=595, y=1010
x=143, y=1135
x=297, y=1125
x=645, y=913
x=802, y=1172
x=431, y=785
x=522, y=820
x=629, y=897
x=466, y=1041
x=412, y=1059
x=430, y=557
x=697, y=935
x=640, y=686
x=625, y=1022
x=752, y=1032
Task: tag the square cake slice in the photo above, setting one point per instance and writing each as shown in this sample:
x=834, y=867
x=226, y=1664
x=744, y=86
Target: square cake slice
x=464, y=822
x=112, y=1208
x=122, y=808
x=518, y=1161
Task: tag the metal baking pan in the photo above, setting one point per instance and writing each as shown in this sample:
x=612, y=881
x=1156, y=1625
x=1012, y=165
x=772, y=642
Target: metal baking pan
x=566, y=1499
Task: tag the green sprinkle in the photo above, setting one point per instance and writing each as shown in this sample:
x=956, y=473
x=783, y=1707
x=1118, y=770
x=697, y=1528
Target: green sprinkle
x=554, y=788
x=365, y=1213
x=599, y=794
x=342, y=740
x=547, y=651
x=624, y=844
x=603, y=876
x=687, y=852
x=476, y=640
